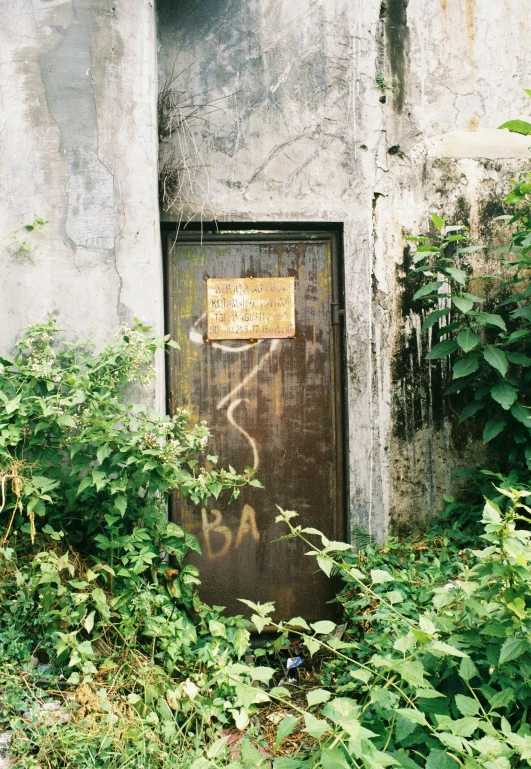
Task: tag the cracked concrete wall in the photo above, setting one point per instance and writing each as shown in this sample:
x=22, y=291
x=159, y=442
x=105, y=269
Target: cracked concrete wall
x=372, y=113
x=78, y=146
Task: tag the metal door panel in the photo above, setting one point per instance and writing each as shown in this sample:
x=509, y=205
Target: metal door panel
x=270, y=403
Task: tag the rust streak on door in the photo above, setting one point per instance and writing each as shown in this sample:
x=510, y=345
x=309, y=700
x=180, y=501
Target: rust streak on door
x=274, y=404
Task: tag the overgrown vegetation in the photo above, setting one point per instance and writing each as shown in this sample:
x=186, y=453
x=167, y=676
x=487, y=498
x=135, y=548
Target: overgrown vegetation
x=101, y=621
x=110, y=659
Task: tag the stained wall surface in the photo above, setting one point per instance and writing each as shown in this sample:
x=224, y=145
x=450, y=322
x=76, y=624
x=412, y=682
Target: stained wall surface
x=78, y=147
x=369, y=113
x=372, y=113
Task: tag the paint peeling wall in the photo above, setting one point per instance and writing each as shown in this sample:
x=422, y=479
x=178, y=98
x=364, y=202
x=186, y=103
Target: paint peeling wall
x=367, y=112
x=372, y=113
x=78, y=146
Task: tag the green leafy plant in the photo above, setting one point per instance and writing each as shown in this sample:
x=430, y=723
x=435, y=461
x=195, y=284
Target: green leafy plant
x=99, y=604
x=16, y=241
x=488, y=345
x=437, y=681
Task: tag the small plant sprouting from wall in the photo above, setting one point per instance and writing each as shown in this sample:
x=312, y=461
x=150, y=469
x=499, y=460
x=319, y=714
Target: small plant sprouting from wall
x=16, y=240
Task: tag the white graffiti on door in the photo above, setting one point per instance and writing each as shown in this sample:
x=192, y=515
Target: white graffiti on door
x=196, y=337
x=214, y=547
x=247, y=527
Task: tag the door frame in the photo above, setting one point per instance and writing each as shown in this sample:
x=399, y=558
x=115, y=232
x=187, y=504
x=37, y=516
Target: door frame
x=238, y=232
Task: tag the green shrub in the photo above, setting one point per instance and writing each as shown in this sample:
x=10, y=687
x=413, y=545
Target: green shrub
x=99, y=605
x=432, y=667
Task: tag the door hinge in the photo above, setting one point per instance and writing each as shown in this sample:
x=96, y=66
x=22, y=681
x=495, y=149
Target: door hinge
x=338, y=314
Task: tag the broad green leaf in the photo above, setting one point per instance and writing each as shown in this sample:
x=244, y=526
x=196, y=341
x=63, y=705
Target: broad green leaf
x=438, y=222
x=407, y=643
x=445, y=648
x=439, y=759
x=426, y=625
x=429, y=288
x=464, y=727
x=298, y=622
x=504, y=394
x=467, y=706
x=88, y=622
x=471, y=409
x=325, y=564
x=517, y=127
x=334, y=758
x=103, y=452
x=496, y=358
x=458, y=275
x=215, y=489
x=278, y=763
x=66, y=421
x=433, y=318
x=361, y=675
x=413, y=673
x=311, y=644
x=512, y=649
x=335, y=546
x=470, y=249
x=85, y=483
x=379, y=576
x=475, y=299
x=463, y=303
x=201, y=763
x=280, y=691
x=522, y=312
x=465, y=366
x=120, y=502
x=467, y=340
x=285, y=728
x=442, y=349
x=13, y=405
x=262, y=674
x=323, y=627
x=394, y=596
x=316, y=696
x=522, y=414
x=467, y=669
x=490, y=319
x=518, y=335
x=403, y=760
x=429, y=694
x=316, y=727
x=493, y=428
x=491, y=513
x=519, y=358
x=415, y=716
x=259, y=622
x=452, y=741
x=217, y=747
x=100, y=479
x=502, y=699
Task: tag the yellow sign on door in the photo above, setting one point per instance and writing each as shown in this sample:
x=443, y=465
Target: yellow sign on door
x=250, y=308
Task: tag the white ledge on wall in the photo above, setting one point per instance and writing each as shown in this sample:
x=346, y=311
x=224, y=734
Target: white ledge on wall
x=489, y=143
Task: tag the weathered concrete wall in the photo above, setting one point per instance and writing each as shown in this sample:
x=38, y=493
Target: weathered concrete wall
x=364, y=112
x=372, y=113
x=78, y=146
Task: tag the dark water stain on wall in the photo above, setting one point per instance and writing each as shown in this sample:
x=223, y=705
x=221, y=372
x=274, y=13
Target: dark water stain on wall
x=393, y=13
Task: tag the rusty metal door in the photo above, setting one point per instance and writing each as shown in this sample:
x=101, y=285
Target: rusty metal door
x=274, y=404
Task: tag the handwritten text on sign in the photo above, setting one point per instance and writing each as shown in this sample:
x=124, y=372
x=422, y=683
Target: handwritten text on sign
x=250, y=308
